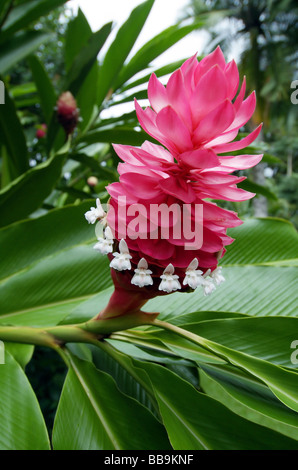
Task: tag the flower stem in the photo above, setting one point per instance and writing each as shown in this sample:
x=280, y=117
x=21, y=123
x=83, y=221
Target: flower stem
x=88, y=332
x=194, y=338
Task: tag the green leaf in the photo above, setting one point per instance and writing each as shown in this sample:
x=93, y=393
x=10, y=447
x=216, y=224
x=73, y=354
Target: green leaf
x=123, y=135
x=12, y=136
x=19, y=47
x=77, y=35
x=121, y=47
x=267, y=338
x=4, y=6
x=44, y=86
x=94, y=414
x=156, y=352
x=262, y=241
x=76, y=48
x=18, y=91
x=27, y=193
x=196, y=421
x=85, y=59
x=21, y=352
x=253, y=266
x=159, y=72
x=154, y=48
x=283, y=383
x=248, y=399
x=250, y=290
x=26, y=13
x=53, y=270
x=21, y=423
x=249, y=185
x=130, y=380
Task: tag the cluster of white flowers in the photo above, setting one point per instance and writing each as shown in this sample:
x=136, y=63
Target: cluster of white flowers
x=142, y=277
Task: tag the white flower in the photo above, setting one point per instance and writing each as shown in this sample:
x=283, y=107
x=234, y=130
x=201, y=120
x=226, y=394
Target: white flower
x=193, y=276
x=142, y=275
x=169, y=281
x=105, y=245
x=217, y=276
x=208, y=286
x=121, y=260
x=95, y=213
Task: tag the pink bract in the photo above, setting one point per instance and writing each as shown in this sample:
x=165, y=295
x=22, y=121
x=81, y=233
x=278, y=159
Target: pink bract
x=196, y=118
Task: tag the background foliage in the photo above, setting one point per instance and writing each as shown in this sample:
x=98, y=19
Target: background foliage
x=218, y=372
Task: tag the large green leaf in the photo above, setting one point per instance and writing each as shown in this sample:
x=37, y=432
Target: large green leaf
x=26, y=13
x=85, y=59
x=253, y=290
x=19, y=47
x=44, y=86
x=262, y=241
x=26, y=193
x=55, y=267
x=268, y=338
x=249, y=399
x=260, y=274
x=196, y=421
x=121, y=47
x=76, y=41
x=283, y=383
x=77, y=35
x=21, y=423
x=94, y=415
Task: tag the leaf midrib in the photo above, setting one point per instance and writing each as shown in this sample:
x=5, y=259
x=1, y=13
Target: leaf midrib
x=94, y=405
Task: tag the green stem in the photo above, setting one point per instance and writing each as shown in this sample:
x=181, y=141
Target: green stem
x=52, y=337
x=194, y=338
x=88, y=332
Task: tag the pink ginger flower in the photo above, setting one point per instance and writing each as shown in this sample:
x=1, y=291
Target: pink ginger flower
x=196, y=118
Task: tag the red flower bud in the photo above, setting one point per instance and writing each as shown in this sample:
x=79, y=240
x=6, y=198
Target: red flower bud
x=67, y=112
x=41, y=131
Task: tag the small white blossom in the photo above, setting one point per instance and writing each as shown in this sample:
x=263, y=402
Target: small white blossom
x=105, y=245
x=193, y=276
x=142, y=275
x=121, y=260
x=208, y=286
x=95, y=213
x=217, y=276
x=169, y=281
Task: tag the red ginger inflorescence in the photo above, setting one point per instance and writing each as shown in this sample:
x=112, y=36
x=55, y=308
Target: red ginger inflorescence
x=196, y=118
